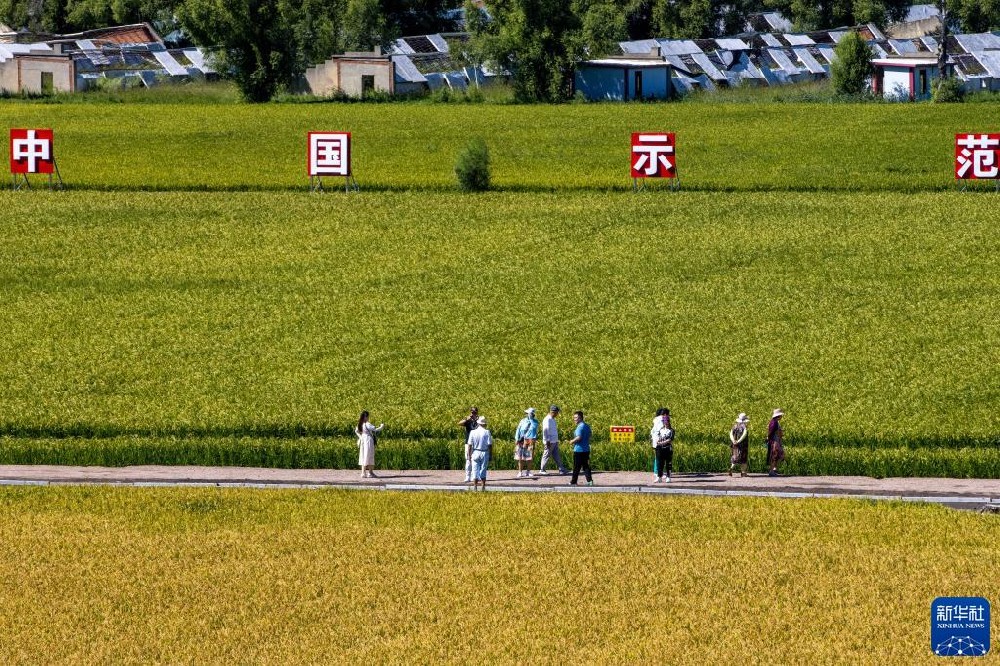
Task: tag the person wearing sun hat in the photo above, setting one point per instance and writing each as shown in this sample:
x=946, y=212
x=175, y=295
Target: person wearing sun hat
x=481, y=445
x=524, y=442
x=775, y=446
x=469, y=423
x=739, y=442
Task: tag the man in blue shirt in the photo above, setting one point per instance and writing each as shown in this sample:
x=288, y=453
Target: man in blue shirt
x=581, y=449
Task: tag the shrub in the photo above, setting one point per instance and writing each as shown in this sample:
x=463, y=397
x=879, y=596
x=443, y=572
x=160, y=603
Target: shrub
x=473, y=167
x=852, y=68
x=949, y=90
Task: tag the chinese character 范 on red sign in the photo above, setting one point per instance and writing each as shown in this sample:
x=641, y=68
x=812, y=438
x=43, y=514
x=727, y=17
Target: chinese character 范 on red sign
x=977, y=156
x=329, y=153
x=653, y=155
x=31, y=151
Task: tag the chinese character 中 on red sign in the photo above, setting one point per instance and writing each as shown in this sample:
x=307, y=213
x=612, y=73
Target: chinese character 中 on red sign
x=329, y=153
x=653, y=155
x=31, y=151
x=977, y=156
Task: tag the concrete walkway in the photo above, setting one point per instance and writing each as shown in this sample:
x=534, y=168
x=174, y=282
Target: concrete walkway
x=964, y=493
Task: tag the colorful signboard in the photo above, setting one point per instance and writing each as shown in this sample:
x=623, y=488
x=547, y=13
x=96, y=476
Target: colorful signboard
x=653, y=155
x=329, y=154
x=977, y=156
x=623, y=434
x=31, y=151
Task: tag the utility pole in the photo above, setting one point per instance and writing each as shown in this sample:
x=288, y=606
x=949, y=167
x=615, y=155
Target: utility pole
x=943, y=42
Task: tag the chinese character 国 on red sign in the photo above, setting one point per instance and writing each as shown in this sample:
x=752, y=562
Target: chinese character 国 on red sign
x=329, y=153
x=653, y=155
x=31, y=151
x=977, y=156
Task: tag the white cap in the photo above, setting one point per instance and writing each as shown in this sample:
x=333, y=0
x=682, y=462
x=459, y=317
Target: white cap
x=530, y=410
x=742, y=418
x=481, y=420
x=776, y=413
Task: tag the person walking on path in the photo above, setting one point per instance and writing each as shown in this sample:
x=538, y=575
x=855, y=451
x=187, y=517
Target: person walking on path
x=481, y=446
x=367, y=434
x=524, y=442
x=550, y=442
x=581, y=449
x=775, y=446
x=469, y=423
x=662, y=437
x=739, y=444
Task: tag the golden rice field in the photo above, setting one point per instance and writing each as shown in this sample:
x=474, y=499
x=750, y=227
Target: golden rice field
x=104, y=575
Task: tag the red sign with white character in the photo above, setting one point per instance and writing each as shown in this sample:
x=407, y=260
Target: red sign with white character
x=329, y=153
x=653, y=155
x=31, y=151
x=977, y=156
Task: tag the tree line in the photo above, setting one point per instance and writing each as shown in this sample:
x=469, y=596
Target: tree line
x=268, y=44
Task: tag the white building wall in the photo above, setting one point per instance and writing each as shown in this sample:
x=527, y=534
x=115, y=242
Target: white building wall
x=24, y=74
x=351, y=73
x=896, y=84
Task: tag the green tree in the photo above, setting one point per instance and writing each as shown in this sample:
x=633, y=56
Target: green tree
x=537, y=41
x=258, y=41
x=808, y=15
x=364, y=25
x=852, y=69
x=975, y=15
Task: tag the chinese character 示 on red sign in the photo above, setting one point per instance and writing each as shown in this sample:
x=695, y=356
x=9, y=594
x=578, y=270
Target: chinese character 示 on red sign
x=653, y=155
x=329, y=153
x=31, y=151
x=977, y=156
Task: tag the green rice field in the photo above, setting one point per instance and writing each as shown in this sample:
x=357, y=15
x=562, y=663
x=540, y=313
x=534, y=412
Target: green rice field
x=186, y=300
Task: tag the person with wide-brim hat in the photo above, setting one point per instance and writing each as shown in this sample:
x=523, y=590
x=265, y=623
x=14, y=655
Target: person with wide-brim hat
x=524, y=442
x=739, y=444
x=481, y=447
x=775, y=446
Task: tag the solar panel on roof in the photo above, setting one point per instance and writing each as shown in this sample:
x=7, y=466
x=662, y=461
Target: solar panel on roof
x=420, y=44
x=172, y=66
x=807, y=59
x=637, y=46
x=707, y=66
x=439, y=43
x=798, y=40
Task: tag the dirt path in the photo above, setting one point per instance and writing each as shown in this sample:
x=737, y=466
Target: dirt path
x=964, y=493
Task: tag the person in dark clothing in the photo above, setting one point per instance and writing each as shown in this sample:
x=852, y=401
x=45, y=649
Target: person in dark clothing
x=775, y=445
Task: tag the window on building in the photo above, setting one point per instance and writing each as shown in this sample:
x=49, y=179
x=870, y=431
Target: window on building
x=47, y=85
x=923, y=82
x=637, y=88
x=367, y=84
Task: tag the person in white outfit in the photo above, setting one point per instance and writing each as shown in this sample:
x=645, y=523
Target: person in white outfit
x=481, y=445
x=550, y=442
x=662, y=438
x=367, y=434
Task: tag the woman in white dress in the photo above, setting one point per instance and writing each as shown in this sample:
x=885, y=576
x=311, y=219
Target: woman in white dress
x=366, y=433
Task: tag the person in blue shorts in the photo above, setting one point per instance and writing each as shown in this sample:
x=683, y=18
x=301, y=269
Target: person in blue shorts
x=581, y=449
